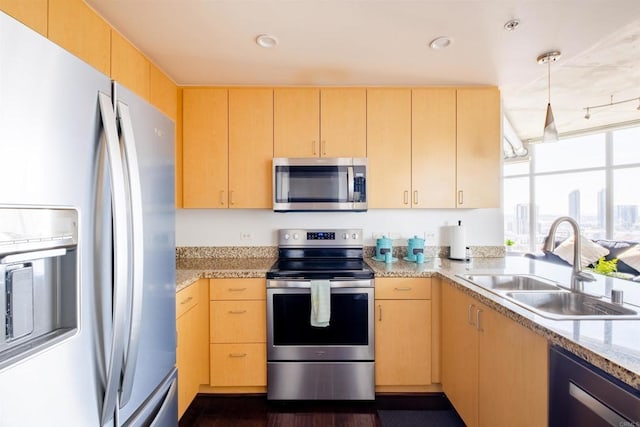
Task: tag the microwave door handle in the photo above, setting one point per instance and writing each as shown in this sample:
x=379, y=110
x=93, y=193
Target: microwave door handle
x=350, y=183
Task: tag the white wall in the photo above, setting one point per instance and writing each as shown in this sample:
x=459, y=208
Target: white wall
x=258, y=227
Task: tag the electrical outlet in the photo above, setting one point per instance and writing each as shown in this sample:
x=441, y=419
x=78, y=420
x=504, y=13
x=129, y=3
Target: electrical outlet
x=378, y=235
x=429, y=236
x=246, y=236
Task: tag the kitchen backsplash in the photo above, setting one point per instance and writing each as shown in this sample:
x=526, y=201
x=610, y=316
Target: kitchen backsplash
x=259, y=227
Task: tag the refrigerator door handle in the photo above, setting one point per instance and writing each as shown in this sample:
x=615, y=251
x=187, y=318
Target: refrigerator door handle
x=137, y=261
x=120, y=256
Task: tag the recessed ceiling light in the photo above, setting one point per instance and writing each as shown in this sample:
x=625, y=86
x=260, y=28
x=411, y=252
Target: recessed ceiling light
x=266, y=41
x=512, y=24
x=441, y=42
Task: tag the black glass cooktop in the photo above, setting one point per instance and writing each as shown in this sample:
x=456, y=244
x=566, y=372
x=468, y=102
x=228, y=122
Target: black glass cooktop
x=314, y=265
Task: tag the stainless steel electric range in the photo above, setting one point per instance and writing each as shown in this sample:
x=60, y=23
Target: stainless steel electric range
x=333, y=362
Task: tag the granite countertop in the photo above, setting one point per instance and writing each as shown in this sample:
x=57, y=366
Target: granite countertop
x=611, y=345
x=189, y=270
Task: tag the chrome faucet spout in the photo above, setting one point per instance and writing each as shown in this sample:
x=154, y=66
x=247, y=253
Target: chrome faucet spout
x=577, y=276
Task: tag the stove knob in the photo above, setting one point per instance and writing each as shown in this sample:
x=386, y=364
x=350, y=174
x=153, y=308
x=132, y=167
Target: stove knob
x=295, y=236
x=286, y=236
x=345, y=236
x=355, y=236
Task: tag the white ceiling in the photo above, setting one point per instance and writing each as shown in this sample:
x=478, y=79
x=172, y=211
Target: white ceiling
x=385, y=42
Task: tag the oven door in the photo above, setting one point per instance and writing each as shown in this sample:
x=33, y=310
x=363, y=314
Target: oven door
x=349, y=336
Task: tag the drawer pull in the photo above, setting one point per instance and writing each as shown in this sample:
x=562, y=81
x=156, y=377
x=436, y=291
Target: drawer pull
x=380, y=315
x=469, y=321
x=403, y=288
x=237, y=289
x=478, y=325
x=237, y=354
x=186, y=301
x=237, y=311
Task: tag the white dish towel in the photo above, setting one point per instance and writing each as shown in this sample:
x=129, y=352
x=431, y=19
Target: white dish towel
x=320, y=303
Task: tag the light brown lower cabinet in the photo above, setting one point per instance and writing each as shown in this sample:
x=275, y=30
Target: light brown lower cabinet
x=187, y=346
x=494, y=371
x=403, y=326
x=238, y=335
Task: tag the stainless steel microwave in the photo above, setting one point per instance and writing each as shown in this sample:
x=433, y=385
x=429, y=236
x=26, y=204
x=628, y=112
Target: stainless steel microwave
x=319, y=184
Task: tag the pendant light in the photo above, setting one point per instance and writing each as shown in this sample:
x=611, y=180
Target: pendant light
x=550, y=133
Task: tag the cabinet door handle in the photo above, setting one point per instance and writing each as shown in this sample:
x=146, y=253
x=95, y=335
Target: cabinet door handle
x=379, y=312
x=221, y=197
x=403, y=288
x=324, y=148
x=186, y=301
x=236, y=289
x=231, y=198
x=313, y=148
x=469, y=319
x=415, y=197
x=237, y=311
x=478, y=325
x=406, y=197
x=237, y=354
x=460, y=197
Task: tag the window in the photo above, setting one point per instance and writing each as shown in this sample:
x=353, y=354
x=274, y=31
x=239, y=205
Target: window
x=592, y=178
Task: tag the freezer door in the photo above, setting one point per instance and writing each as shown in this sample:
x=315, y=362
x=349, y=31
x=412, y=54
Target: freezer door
x=150, y=353
x=50, y=131
x=161, y=407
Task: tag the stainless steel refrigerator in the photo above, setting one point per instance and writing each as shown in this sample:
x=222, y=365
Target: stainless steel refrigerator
x=87, y=247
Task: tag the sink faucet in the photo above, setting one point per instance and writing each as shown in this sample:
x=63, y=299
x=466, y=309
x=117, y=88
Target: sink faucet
x=577, y=276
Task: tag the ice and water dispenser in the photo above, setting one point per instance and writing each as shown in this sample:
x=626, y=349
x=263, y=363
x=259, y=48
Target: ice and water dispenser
x=38, y=279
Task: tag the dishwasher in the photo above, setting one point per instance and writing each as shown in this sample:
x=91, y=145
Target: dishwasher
x=581, y=394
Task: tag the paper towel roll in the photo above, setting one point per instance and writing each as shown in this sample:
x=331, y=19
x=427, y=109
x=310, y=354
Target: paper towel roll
x=457, y=242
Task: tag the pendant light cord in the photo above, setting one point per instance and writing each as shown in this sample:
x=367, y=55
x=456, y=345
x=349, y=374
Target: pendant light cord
x=549, y=79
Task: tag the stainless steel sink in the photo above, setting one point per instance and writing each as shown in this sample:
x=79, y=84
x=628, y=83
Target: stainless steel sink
x=571, y=305
x=511, y=282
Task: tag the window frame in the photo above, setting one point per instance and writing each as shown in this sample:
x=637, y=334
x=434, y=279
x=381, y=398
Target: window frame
x=608, y=168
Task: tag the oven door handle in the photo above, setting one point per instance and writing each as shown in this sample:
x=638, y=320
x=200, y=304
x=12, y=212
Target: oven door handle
x=306, y=284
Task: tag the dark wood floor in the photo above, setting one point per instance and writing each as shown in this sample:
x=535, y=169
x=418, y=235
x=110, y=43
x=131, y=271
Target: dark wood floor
x=255, y=410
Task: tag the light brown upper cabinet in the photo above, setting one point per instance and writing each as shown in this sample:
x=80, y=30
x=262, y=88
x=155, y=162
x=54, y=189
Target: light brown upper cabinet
x=343, y=122
x=325, y=122
x=296, y=122
x=227, y=147
x=32, y=13
x=433, y=145
x=478, y=148
x=163, y=93
x=411, y=147
x=250, y=147
x=129, y=66
x=205, y=148
x=78, y=29
x=389, y=147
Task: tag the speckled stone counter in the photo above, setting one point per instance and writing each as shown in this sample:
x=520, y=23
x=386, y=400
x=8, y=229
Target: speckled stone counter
x=611, y=345
x=189, y=270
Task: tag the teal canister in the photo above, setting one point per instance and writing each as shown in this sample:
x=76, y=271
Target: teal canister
x=415, y=245
x=383, y=245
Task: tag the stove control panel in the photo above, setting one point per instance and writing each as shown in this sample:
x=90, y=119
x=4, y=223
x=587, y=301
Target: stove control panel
x=347, y=237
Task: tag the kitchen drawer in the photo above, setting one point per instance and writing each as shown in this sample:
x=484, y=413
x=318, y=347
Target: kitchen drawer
x=186, y=299
x=238, y=321
x=236, y=365
x=237, y=289
x=410, y=288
